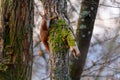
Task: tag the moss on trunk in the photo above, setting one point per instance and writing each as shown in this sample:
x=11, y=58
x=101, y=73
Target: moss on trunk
x=60, y=39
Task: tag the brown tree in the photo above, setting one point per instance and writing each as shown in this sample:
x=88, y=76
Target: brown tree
x=17, y=23
x=83, y=35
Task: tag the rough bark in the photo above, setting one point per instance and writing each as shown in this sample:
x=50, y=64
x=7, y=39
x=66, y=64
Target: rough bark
x=59, y=51
x=17, y=22
x=84, y=32
x=59, y=33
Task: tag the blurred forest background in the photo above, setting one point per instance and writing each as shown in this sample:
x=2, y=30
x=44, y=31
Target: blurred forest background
x=103, y=59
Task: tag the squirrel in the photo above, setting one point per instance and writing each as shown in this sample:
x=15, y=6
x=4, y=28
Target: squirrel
x=44, y=32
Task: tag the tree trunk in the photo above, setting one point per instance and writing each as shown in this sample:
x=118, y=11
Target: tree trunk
x=59, y=33
x=84, y=32
x=1, y=30
x=17, y=22
x=59, y=52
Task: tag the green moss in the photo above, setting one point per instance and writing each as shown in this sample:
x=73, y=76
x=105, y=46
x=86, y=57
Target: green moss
x=71, y=40
x=60, y=36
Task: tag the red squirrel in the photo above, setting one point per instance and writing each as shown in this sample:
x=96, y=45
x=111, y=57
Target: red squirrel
x=44, y=32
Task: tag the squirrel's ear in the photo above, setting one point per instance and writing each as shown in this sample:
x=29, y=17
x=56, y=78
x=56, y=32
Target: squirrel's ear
x=45, y=11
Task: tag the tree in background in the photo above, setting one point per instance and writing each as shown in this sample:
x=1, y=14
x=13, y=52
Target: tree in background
x=84, y=31
x=17, y=23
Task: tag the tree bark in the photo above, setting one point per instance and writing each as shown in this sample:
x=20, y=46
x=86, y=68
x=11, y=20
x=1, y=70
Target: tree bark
x=18, y=21
x=83, y=35
x=59, y=33
x=1, y=30
x=59, y=52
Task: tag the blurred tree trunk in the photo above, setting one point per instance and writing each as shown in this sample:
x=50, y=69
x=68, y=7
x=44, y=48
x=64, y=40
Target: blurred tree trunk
x=16, y=61
x=83, y=35
x=1, y=31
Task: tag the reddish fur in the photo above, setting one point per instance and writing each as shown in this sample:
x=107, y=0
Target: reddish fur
x=44, y=33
